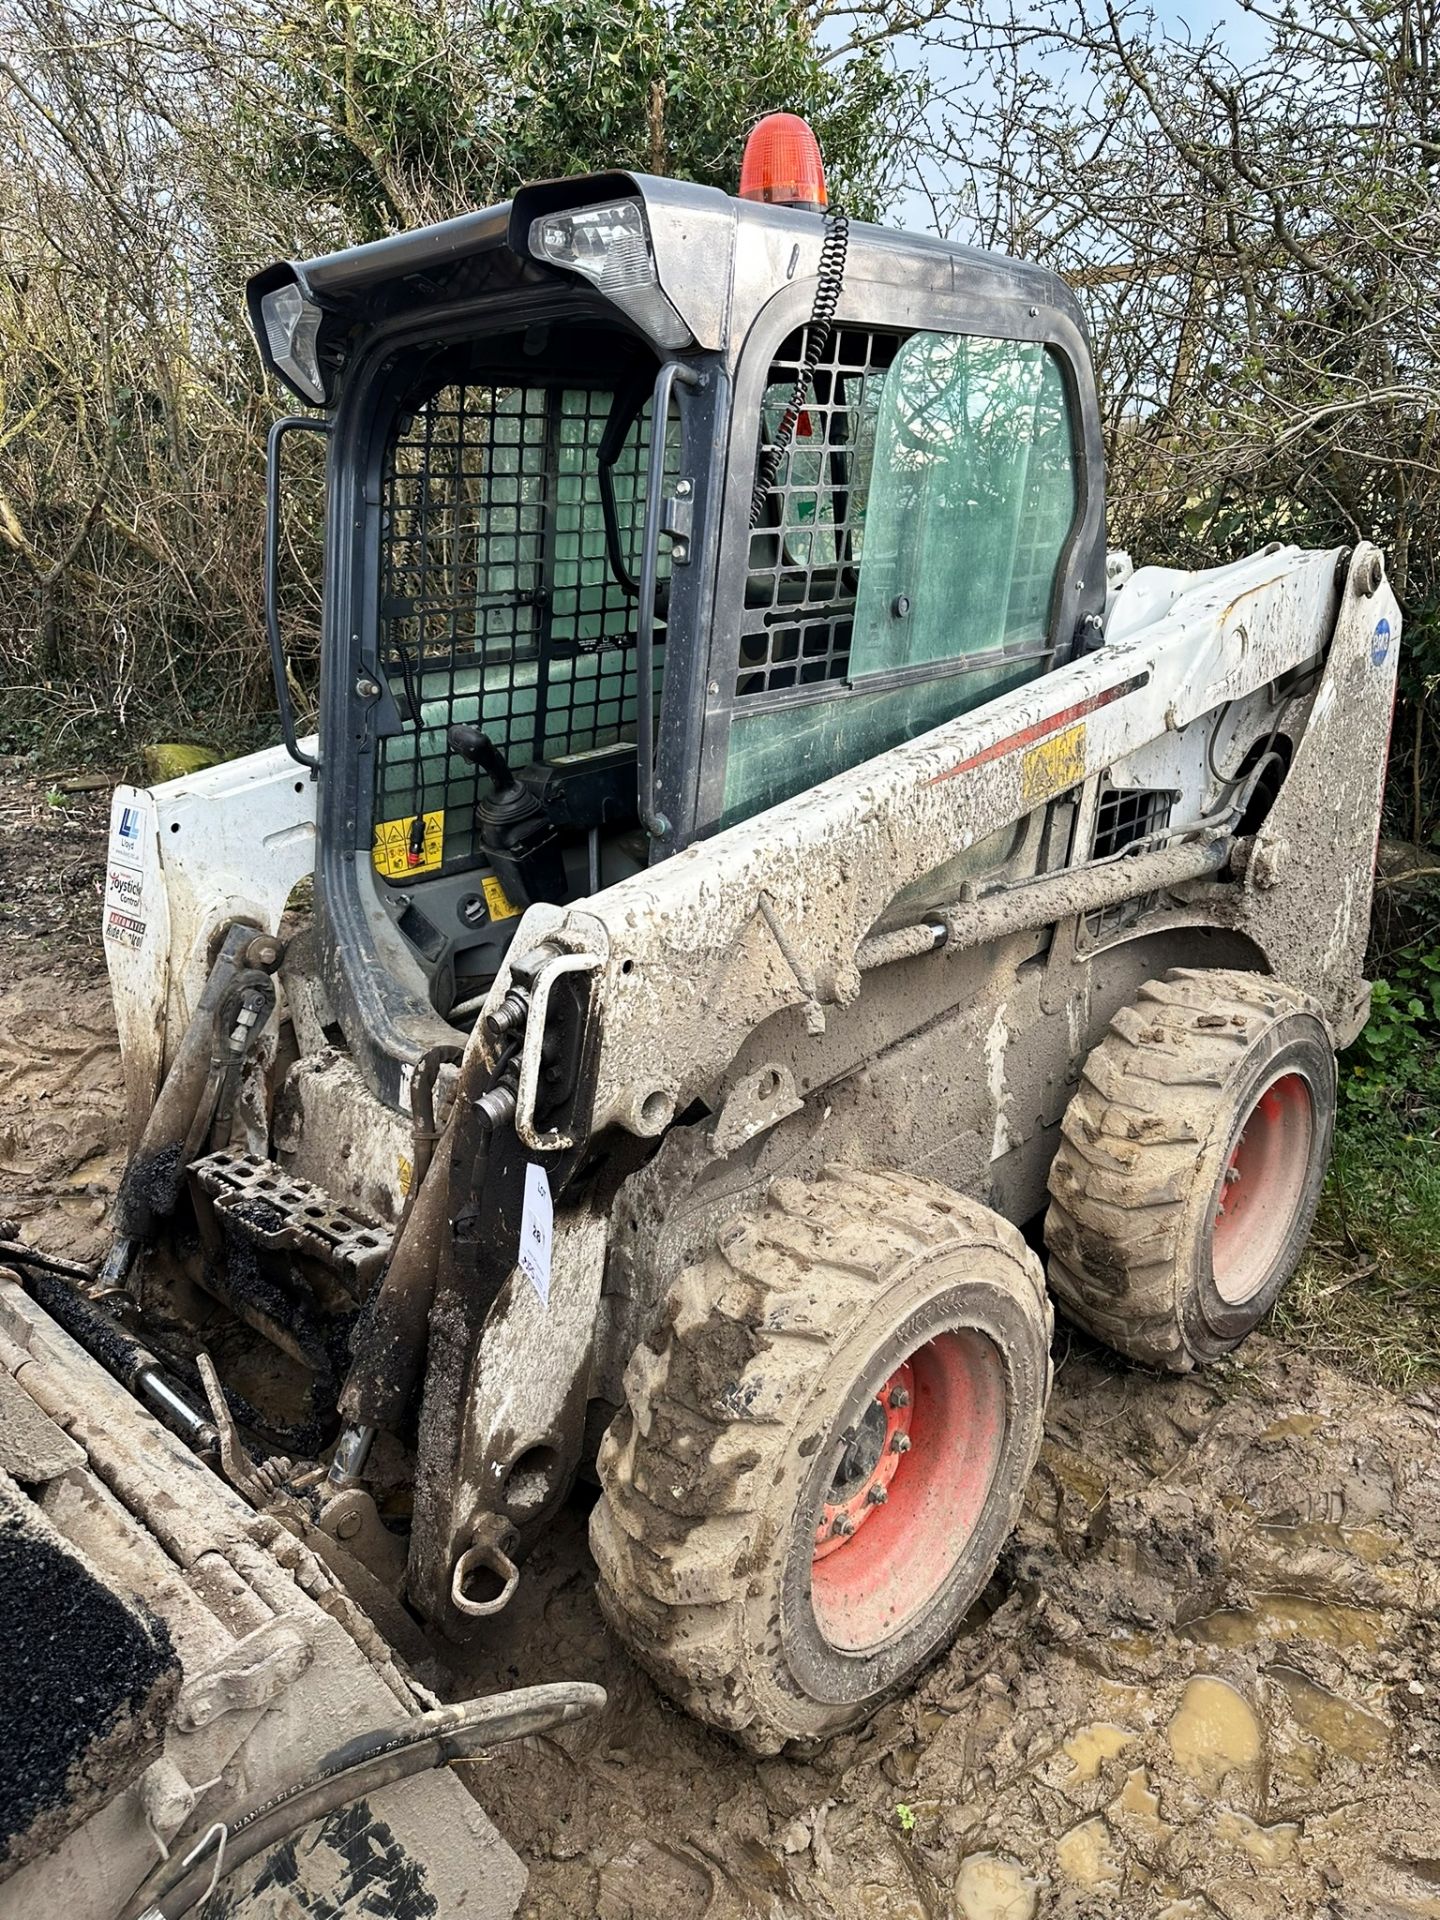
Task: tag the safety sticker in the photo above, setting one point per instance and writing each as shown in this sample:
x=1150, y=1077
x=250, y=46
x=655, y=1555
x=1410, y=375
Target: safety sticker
x=125, y=929
x=1054, y=764
x=404, y=1176
x=411, y=845
x=1380, y=643
x=537, y=1228
x=501, y=906
x=127, y=835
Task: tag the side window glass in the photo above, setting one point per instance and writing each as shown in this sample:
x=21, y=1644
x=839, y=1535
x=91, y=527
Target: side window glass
x=805, y=548
x=918, y=524
x=972, y=492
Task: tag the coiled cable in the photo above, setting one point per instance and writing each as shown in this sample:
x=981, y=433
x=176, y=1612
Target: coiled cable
x=829, y=283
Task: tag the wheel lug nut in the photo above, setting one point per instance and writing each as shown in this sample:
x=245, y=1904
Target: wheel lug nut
x=899, y=1397
x=877, y=1496
x=844, y=1526
x=1232, y=1174
x=901, y=1443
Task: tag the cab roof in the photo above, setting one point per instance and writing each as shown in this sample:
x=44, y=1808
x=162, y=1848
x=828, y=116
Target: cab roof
x=718, y=259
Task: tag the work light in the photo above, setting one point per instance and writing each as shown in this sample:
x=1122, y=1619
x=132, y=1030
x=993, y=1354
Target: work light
x=610, y=245
x=292, y=332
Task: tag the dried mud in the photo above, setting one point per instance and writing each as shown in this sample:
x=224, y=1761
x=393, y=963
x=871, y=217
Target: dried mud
x=1209, y=1685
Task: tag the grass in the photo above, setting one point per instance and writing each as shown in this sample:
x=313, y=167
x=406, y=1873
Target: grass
x=1367, y=1295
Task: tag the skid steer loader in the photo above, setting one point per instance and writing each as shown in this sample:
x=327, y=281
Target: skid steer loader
x=758, y=852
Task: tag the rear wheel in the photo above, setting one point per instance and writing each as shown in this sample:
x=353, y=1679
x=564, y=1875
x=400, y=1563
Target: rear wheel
x=824, y=1449
x=1191, y=1164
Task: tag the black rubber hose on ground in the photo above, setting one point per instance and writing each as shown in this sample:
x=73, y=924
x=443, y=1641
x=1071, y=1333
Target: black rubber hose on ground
x=363, y=1765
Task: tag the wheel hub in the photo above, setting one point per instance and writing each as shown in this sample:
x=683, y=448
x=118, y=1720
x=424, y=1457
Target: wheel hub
x=912, y=1474
x=1261, y=1187
x=873, y=1452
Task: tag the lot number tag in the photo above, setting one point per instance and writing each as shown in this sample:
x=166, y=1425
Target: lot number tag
x=537, y=1224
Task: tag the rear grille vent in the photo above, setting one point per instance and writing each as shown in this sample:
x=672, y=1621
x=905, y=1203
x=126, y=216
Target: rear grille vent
x=1126, y=818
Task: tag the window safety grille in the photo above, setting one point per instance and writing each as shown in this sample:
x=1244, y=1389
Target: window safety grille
x=1133, y=817
x=498, y=601
x=805, y=553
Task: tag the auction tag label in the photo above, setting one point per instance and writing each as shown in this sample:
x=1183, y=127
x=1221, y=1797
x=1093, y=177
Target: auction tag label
x=410, y=845
x=1054, y=764
x=537, y=1231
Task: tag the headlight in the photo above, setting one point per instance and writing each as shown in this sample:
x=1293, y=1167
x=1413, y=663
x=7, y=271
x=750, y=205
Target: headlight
x=610, y=246
x=292, y=333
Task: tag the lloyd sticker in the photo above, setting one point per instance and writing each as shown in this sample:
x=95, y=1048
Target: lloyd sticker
x=1054, y=764
x=537, y=1228
x=411, y=845
x=124, y=929
x=1380, y=643
x=501, y=906
x=127, y=834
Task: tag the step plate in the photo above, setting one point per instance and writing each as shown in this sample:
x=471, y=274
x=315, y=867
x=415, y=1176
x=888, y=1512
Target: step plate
x=284, y=1215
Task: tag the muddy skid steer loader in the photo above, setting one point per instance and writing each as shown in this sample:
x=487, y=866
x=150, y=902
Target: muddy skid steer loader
x=757, y=855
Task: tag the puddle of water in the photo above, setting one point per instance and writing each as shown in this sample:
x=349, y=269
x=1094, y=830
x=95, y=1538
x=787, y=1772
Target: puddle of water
x=1087, y=1857
x=1344, y=1728
x=1294, y=1426
x=1365, y=1543
x=1288, y=1616
x=1088, y=1748
x=1265, y=1846
x=990, y=1887
x=1214, y=1731
x=1139, y=1800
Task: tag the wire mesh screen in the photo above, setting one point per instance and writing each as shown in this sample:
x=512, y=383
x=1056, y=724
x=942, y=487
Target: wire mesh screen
x=800, y=586
x=1124, y=818
x=499, y=602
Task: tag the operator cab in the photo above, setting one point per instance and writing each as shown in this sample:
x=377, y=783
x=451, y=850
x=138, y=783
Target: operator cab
x=648, y=508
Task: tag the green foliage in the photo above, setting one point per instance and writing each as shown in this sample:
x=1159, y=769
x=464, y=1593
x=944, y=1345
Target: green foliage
x=1368, y=1293
x=1394, y=1066
x=390, y=112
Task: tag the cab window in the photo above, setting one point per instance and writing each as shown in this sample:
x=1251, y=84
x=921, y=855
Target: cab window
x=902, y=566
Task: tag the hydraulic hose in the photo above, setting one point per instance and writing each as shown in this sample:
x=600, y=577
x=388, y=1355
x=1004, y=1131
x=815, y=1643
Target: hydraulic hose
x=362, y=1766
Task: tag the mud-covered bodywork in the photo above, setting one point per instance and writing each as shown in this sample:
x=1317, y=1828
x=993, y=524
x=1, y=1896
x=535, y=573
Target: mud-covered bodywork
x=793, y=990
x=736, y=754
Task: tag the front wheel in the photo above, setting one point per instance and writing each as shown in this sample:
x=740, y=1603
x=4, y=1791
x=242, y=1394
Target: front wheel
x=824, y=1449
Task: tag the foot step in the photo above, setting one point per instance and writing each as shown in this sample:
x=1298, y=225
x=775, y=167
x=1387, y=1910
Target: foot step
x=285, y=1215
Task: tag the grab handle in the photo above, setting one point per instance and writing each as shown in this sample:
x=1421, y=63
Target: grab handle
x=292, y=423
x=654, y=822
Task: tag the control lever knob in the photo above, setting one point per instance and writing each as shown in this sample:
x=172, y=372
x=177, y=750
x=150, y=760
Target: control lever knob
x=480, y=751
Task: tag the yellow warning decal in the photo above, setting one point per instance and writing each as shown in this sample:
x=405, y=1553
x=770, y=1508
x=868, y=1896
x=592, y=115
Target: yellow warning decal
x=497, y=900
x=405, y=1176
x=1054, y=764
x=409, y=846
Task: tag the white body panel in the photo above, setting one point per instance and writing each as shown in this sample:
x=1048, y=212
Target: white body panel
x=231, y=842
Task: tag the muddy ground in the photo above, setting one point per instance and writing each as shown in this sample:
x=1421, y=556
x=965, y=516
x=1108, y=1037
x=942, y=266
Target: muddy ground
x=1210, y=1685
